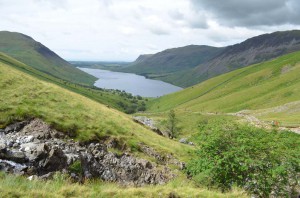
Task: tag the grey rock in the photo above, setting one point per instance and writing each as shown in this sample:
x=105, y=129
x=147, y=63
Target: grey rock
x=47, y=176
x=2, y=146
x=56, y=160
x=40, y=150
x=15, y=145
x=33, y=177
x=15, y=156
x=183, y=140
x=15, y=127
x=2, y=132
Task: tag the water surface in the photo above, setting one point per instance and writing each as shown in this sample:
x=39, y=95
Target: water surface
x=131, y=83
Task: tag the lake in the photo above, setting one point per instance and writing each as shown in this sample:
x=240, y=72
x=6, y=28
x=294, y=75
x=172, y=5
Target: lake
x=131, y=83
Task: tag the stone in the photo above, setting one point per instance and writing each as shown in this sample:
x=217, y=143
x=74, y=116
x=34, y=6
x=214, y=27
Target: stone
x=28, y=139
x=2, y=146
x=15, y=127
x=37, y=153
x=183, y=140
x=47, y=176
x=56, y=160
x=32, y=177
x=16, y=156
x=2, y=132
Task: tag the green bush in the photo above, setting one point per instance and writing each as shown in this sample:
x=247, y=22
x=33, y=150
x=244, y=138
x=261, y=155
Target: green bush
x=263, y=162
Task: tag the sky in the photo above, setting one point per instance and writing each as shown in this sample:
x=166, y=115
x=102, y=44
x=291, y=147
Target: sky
x=121, y=30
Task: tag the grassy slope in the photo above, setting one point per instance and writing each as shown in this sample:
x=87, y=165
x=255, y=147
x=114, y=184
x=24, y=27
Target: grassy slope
x=23, y=95
x=12, y=186
x=265, y=85
x=105, y=97
x=30, y=52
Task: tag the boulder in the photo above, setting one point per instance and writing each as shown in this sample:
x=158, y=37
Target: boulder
x=56, y=160
x=183, y=140
x=37, y=150
x=15, y=127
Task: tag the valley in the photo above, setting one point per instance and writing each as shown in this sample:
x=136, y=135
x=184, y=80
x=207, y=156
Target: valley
x=229, y=133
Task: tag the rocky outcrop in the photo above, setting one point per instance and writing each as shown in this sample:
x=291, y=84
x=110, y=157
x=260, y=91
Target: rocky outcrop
x=149, y=123
x=34, y=149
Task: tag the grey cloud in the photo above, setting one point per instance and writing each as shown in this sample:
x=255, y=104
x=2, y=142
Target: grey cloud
x=159, y=30
x=175, y=14
x=245, y=13
x=198, y=22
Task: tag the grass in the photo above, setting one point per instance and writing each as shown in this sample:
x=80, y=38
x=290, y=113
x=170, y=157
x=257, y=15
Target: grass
x=107, y=97
x=266, y=85
x=13, y=186
x=34, y=54
x=24, y=96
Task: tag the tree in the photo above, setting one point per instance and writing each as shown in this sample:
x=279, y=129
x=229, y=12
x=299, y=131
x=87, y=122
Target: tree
x=172, y=124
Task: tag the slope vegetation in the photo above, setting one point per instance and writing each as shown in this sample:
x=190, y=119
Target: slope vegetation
x=33, y=53
x=24, y=96
x=266, y=85
x=116, y=99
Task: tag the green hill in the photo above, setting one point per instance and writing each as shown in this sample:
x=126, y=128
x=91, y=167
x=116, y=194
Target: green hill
x=23, y=96
x=115, y=99
x=187, y=66
x=172, y=60
x=33, y=53
x=265, y=85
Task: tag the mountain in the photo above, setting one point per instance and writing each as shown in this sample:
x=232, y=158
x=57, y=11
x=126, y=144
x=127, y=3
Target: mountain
x=172, y=60
x=35, y=54
x=271, y=89
x=251, y=51
x=103, y=134
x=177, y=68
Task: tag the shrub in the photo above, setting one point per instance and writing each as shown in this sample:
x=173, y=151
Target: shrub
x=76, y=167
x=262, y=162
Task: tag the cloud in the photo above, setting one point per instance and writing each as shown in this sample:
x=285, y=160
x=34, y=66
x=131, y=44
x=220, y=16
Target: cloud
x=121, y=30
x=251, y=13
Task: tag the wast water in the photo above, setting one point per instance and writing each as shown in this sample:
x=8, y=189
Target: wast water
x=131, y=83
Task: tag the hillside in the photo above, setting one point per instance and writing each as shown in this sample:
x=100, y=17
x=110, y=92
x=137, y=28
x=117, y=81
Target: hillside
x=24, y=96
x=172, y=60
x=265, y=85
x=35, y=54
x=190, y=65
x=115, y=99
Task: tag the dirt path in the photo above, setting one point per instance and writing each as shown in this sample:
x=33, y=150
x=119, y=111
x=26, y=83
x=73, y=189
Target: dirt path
x=249, y=118
x=259, y=123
